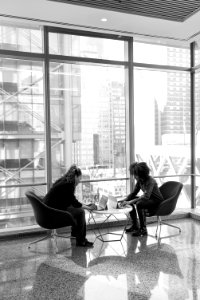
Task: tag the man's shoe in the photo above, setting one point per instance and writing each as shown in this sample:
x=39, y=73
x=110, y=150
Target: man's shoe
x=131, y=229
x=85, y=243
x=140, y=232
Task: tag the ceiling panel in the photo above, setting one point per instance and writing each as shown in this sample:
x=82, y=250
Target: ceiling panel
x=173, y=10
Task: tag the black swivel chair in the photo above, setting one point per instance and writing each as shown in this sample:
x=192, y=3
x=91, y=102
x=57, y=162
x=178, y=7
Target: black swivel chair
x=48, y=218
x=170, y=191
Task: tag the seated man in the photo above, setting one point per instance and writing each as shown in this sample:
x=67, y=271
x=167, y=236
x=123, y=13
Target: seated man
x=62, y=196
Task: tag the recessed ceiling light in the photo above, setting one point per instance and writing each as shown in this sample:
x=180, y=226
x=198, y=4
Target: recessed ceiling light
x=103, y=20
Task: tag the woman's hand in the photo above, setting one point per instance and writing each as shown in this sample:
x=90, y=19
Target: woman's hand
x=134, y=201
x=123, y=203
x=90, y=206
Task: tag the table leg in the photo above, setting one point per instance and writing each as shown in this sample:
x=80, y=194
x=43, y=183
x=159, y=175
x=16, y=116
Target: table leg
x=99, y=235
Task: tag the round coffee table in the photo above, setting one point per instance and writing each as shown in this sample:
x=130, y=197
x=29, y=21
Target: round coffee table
x=107, y=215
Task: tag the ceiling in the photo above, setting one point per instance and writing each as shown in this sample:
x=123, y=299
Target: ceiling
x=173, y=10
x=174, y=20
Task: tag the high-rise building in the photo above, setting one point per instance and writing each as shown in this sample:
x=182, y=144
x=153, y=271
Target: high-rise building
x=172, y=124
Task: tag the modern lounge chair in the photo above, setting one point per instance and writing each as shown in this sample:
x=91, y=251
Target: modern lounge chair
x=170, y=191
x=48, y=218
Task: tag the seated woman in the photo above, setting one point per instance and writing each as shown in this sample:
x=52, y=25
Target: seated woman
x=61, y=196
x=150, y=199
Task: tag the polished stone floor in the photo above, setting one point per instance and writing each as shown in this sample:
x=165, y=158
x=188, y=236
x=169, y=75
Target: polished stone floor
x=135, y=268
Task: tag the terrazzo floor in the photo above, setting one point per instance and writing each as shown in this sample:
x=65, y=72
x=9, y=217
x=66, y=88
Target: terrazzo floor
x=135, y=268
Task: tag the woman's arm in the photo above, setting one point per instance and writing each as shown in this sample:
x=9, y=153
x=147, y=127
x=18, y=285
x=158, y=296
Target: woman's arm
x=134, y=193
x=75, y=202
x=125, y=202
x=130, y=199
x=91, y=206
x=149, y=185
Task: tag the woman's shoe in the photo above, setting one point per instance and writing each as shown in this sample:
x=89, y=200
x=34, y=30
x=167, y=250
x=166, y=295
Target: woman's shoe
x=85, y=243
x=73, y=235
x=131, y=229
x=140, y=232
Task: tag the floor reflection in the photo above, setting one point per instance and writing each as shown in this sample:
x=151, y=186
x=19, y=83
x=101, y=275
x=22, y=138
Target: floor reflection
x=135, y=268
x=53, y=282
x=143, y=266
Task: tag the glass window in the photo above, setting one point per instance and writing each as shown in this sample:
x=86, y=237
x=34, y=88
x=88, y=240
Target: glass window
x=85, y=105
x=91, y=47
x=88, y=106
x=158, y=141
x=197, y=53
x=88, y=192
x=21, y=38
x=22, y=134
x=22, y=107
x=152, y=53
x=197, y=136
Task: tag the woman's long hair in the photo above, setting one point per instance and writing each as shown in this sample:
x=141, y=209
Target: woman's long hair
x=140, y=169
x=70, y=175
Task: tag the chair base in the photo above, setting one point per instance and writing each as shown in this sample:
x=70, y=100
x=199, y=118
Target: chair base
x=50, y=235
x=160, y=223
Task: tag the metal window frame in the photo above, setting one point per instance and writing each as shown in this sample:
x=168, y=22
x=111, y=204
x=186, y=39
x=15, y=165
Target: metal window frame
x=129, y=64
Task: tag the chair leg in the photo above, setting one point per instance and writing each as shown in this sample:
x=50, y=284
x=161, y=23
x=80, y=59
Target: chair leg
x=165, y=223
x=54, y=240
x=51, y=234
x=158, y=224
x=39, y=240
